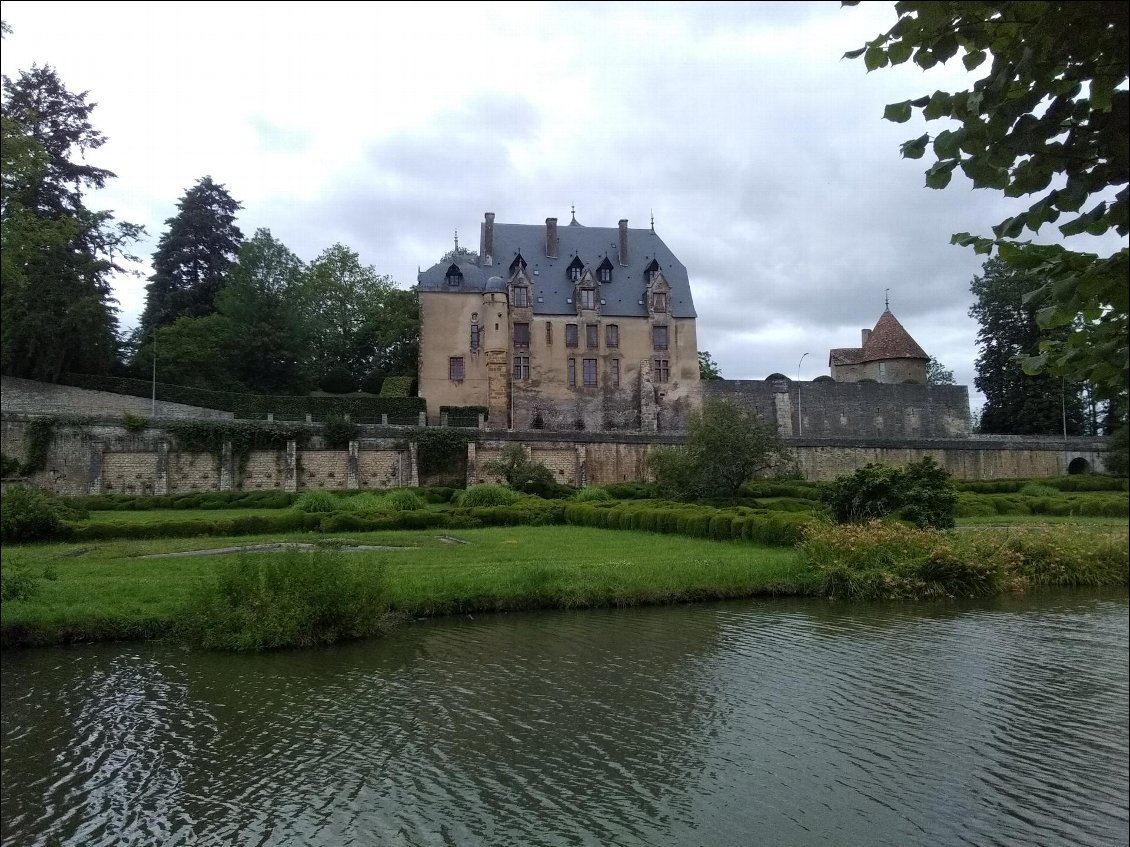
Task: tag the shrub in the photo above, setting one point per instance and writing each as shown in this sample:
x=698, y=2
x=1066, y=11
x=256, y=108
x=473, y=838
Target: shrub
x=488, y=495
x=920, y=492
x=1035, y=489
x=293, y=599
x=403, y=500
x=317, y=501
x=590, y=494
x=19, y=582
x=439, y=494
x=30, y=515
x=9, y=466
x=134, y=423
x=891, y=560
x=631, y=490
x=524, y=474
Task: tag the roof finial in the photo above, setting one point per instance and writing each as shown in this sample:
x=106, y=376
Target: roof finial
x=887, y=299
x=653, y=221
x=573, y=211
x=457, y=241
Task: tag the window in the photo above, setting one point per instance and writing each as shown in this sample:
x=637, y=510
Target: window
x=592, y=336
x=572, y=373
x=612, y=336
x=615, y=363
x=548, y=332
x=474, y=338
x=659, y=337
x=454, y=275
x=455, y=368
x=590, y=372
x=570, y=335
x=604, y=272
x=659, y=301
x=521, y=335
x=576, y=269
x=521, y=367
x=575, y=274
x=521, y=297
x=661, y=370
x=588, y=298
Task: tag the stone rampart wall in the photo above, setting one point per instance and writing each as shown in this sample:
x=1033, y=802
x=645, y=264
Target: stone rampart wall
x=104, y=457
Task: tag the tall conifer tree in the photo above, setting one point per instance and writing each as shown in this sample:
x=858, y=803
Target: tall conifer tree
x=58, y=311
x=194, y=256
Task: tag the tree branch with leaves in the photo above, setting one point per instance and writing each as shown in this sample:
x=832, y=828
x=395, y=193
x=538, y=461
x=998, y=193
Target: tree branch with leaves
x=1048, y=120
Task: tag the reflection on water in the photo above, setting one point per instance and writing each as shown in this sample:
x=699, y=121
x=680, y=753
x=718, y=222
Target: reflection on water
x=779, y=722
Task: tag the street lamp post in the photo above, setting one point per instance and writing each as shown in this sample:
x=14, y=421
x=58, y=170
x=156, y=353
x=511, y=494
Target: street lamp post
x=153, y=407
x=799, y=415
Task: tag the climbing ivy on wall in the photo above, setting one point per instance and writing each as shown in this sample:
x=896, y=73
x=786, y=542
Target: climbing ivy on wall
x=40, y=433
x=440, y=449
x=209, y=436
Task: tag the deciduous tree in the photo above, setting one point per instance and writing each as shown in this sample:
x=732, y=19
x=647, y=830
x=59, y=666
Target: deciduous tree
x=707, y=367
x=938, y=374
x=1049, y=119
x=727, y=445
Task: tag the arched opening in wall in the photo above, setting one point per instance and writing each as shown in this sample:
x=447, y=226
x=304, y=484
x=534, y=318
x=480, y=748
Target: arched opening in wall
x=1079, y=465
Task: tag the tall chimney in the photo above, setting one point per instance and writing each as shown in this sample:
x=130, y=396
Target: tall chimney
x=486, y=242
x=866, y=336
x=623, y=242
x=551, y=238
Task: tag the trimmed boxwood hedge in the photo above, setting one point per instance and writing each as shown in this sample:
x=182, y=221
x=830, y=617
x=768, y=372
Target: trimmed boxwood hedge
x=259, y=405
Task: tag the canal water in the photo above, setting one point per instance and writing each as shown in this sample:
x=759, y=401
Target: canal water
x=775, y=722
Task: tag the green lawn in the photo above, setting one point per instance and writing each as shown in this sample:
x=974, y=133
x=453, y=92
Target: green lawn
x=106, y=590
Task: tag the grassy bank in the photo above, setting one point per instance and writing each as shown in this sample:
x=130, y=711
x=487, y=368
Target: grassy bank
x=106, y=590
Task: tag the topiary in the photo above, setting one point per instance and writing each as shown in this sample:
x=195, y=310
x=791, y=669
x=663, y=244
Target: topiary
x=372, y=381
x=338, y=380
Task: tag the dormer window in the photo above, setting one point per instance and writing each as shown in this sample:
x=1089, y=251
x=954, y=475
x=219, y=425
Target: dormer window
x=519, y=264
x=604, y=272
x=454, y=275
x=575, y=269
x=651, y=271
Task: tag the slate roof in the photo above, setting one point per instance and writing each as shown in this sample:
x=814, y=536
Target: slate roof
x=889, y=340
x=550, y=285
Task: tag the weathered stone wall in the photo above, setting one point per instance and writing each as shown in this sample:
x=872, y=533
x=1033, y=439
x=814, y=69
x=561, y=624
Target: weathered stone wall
x=105, y=457
x=852, y=410
x=264, y=470
x=43, y=398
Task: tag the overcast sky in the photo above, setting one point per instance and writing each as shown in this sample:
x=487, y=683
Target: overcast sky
x=760, y=151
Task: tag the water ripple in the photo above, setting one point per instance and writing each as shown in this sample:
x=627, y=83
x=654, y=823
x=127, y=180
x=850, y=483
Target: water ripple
x=792, y=723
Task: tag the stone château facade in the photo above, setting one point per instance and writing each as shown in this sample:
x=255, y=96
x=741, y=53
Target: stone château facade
x=574, y=327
